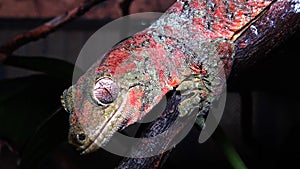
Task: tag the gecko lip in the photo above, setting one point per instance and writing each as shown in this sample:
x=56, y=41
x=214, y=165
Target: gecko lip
x=100, y=139
x=105, y=132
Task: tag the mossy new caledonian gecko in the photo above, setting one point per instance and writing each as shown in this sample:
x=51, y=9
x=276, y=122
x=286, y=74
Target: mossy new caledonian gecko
x=189, y=49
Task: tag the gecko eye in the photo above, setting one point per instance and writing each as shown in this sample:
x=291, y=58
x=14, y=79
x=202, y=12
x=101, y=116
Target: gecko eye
x=105, y=91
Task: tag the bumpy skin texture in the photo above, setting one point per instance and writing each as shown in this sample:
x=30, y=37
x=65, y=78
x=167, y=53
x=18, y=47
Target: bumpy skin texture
x=186, y=49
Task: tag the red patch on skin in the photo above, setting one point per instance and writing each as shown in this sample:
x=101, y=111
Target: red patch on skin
x=223, y=25
x=85, y=120
x=216, y=26
x=169, y=31
x=153, y=44
x=159, y=59
x=115, y=58
x=121, y=70
x=197, y=4
x=87, y=107
x=147, y=108
x=74, y=119
x=119, y=55
x=176, y=7
x=203, y=72
x=219, y=13
x=197, y=21
x=203, y=95
x=204, y=32
x=164, y=90
x=161, y=75
x=231, y=6
x=240, y=13
x=138, y=40
x=134, y=98
x=199, y=69
x=78, y=92
x=173, y=82
x=195, y=68
x=168, y=28
x=179, y=58
x=174, y=79
x=172, y=41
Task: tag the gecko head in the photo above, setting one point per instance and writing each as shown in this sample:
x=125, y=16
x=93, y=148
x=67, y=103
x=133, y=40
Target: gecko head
x=98, y=107
x=110, y=96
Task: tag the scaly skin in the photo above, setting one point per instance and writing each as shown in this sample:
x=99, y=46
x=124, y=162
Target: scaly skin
x=186, y=49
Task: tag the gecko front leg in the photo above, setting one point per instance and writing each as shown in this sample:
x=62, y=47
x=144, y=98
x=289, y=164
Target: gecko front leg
x=206, y=83
x=194, y=95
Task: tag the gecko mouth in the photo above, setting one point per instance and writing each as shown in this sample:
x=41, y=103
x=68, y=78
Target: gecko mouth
x=107, y=129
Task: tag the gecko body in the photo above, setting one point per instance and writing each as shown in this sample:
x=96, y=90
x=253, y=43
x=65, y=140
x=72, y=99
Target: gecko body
x=189, y=49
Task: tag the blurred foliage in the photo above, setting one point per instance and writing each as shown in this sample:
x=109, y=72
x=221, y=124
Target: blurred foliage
x=31, y=116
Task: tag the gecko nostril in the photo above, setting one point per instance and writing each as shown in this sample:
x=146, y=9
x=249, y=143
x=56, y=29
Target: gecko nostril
x=81, y=138
x=105, y=91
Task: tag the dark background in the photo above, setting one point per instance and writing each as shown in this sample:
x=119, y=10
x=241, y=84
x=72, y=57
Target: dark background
x=261, y=117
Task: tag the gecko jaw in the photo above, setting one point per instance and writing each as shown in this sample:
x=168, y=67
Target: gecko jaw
x=106, y=132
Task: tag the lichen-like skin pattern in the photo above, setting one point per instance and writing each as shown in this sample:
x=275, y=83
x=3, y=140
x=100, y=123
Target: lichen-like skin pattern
x=188, y=49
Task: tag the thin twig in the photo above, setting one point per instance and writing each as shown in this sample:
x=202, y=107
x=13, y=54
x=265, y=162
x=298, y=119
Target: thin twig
x=125, y=7
x=42, y=31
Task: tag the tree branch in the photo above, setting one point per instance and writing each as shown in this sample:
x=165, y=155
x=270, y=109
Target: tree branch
x=159, y=126
x=274, y=27
x=42, y=31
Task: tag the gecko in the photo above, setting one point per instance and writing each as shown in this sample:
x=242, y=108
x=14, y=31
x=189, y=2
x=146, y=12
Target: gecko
x=189, y=49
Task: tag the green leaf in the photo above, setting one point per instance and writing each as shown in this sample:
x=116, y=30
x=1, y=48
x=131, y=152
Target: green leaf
x=230, y=152
x=27, y=105
x=225, y=144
